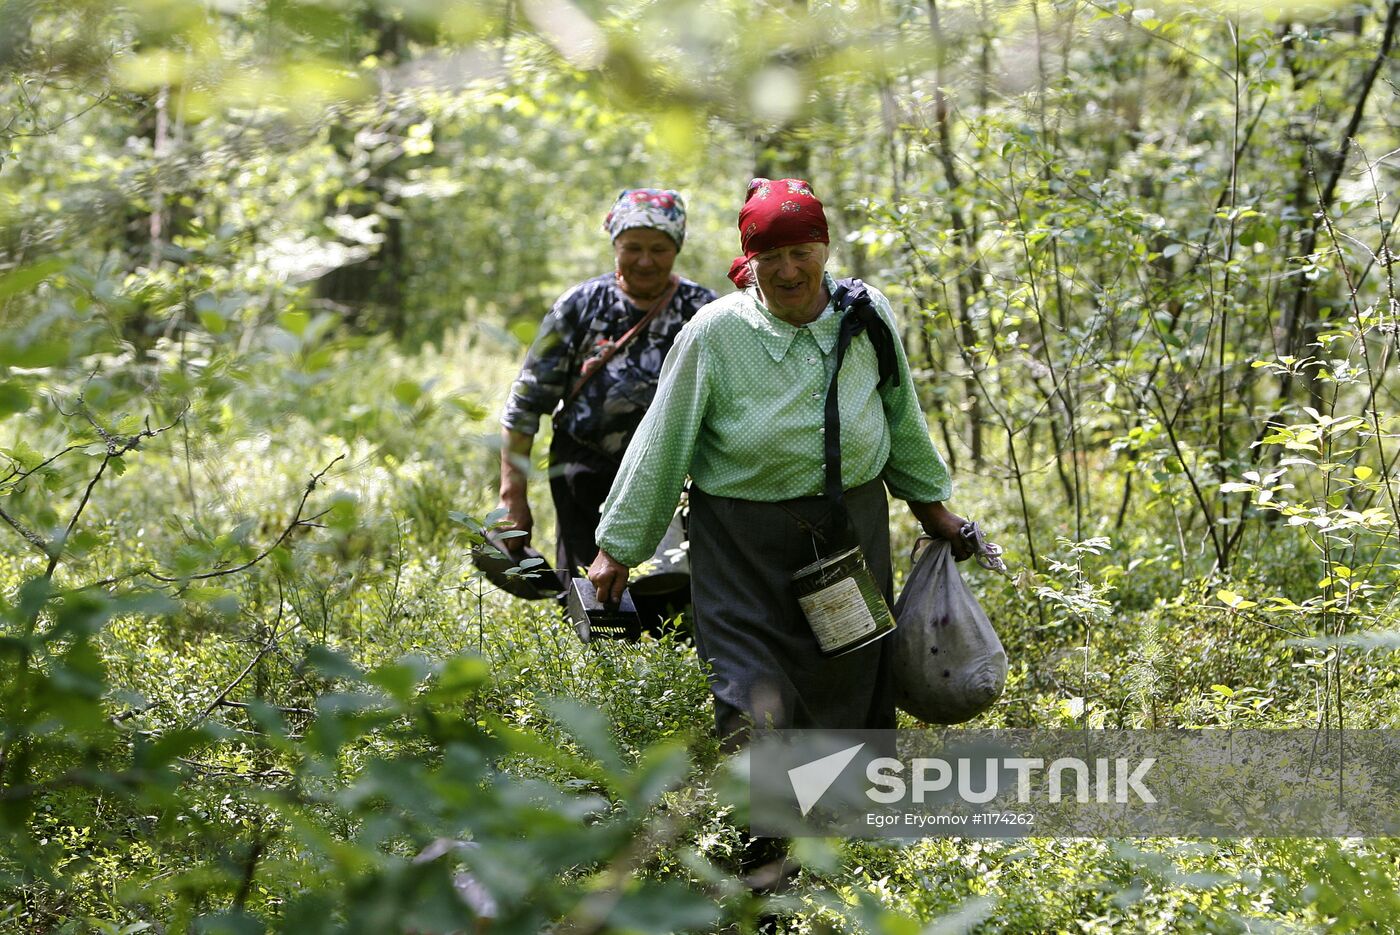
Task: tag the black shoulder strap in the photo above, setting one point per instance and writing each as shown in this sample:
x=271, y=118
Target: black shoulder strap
x=858, y=314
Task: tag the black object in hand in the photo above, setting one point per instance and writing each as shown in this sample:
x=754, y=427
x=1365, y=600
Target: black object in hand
x=592, y=619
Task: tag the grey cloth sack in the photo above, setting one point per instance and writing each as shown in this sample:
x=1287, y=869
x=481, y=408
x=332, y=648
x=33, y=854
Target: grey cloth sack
x=949, y=665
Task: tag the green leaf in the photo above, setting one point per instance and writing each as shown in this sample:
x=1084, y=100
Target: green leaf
x=471, y=408
x=295, y=322
x=23, y=455
x=318, y=360
x=662, y=767
x=33, y=354
x=228, y=922
x=332, y=664
x=21, y=280
x=221, y=599
x=590, y=728
x=663, y=908
x=400, y=678
x=14, y=398
x=267, y=717
x=213, y=321
x=460, y=677
x=172, y=744
x=1234, y=601
x=524, y=331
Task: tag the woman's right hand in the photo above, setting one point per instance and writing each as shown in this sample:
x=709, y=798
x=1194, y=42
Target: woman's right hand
x=608, y=576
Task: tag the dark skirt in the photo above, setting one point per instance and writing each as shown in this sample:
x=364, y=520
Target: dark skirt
x=767, y=669
x=579, y=480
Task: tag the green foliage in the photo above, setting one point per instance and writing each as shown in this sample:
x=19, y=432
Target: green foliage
x=394, y=755
x=266, y=270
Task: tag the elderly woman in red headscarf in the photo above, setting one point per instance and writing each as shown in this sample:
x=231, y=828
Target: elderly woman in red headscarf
x=787, y=463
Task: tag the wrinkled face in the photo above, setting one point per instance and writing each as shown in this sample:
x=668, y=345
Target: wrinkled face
x=790, y=279
x=644, y=260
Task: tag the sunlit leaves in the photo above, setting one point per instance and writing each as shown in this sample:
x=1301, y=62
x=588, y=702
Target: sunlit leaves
x=1094, y=260
x=1234, y=601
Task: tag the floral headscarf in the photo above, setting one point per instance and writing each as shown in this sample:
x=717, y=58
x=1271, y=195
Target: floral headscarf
x=657, y=208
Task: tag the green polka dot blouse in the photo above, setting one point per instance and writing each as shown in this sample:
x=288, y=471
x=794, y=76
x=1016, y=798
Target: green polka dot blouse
x=740, y=409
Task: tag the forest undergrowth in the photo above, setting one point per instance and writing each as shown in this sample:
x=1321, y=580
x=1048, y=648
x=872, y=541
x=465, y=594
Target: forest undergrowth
x=375, y=622
x=267, y=270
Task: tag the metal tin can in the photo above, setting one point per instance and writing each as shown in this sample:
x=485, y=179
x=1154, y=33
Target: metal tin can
x=842, y=603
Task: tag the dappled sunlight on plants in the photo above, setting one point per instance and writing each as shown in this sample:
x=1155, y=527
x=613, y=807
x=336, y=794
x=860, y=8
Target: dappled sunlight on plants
x=267, y=271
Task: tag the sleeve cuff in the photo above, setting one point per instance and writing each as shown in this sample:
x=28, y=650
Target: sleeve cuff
x=522, y=421
x=621, y=553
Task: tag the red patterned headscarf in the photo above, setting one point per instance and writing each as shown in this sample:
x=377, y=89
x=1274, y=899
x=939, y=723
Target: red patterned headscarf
x=779, y=214
x=740, y=274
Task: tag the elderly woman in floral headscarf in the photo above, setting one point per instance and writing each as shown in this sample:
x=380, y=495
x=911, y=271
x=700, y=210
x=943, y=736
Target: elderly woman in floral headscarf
x=745, y=402
x=594, y=366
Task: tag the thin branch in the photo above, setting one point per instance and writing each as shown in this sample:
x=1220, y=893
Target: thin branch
x=250, y=869
x=131, y=713
x=15, y=472
x=257, y=657
x=32, y=537
x=118, y=445
x=285, y=709
x=1220, y=555
x=217, y=773
x=1132, y=23
x=296, y=523
x=56, y=554
x=7, y=133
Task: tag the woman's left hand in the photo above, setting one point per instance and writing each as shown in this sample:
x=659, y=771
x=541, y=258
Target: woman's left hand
x=942, y=523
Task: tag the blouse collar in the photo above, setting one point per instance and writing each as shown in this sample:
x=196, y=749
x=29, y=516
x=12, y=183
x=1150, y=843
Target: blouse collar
x=777, y=335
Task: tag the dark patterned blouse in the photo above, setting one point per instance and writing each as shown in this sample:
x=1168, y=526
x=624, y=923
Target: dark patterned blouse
x=613, y=401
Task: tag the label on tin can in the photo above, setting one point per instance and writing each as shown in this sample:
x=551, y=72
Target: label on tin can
x=839, y=614
x=842, y=603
